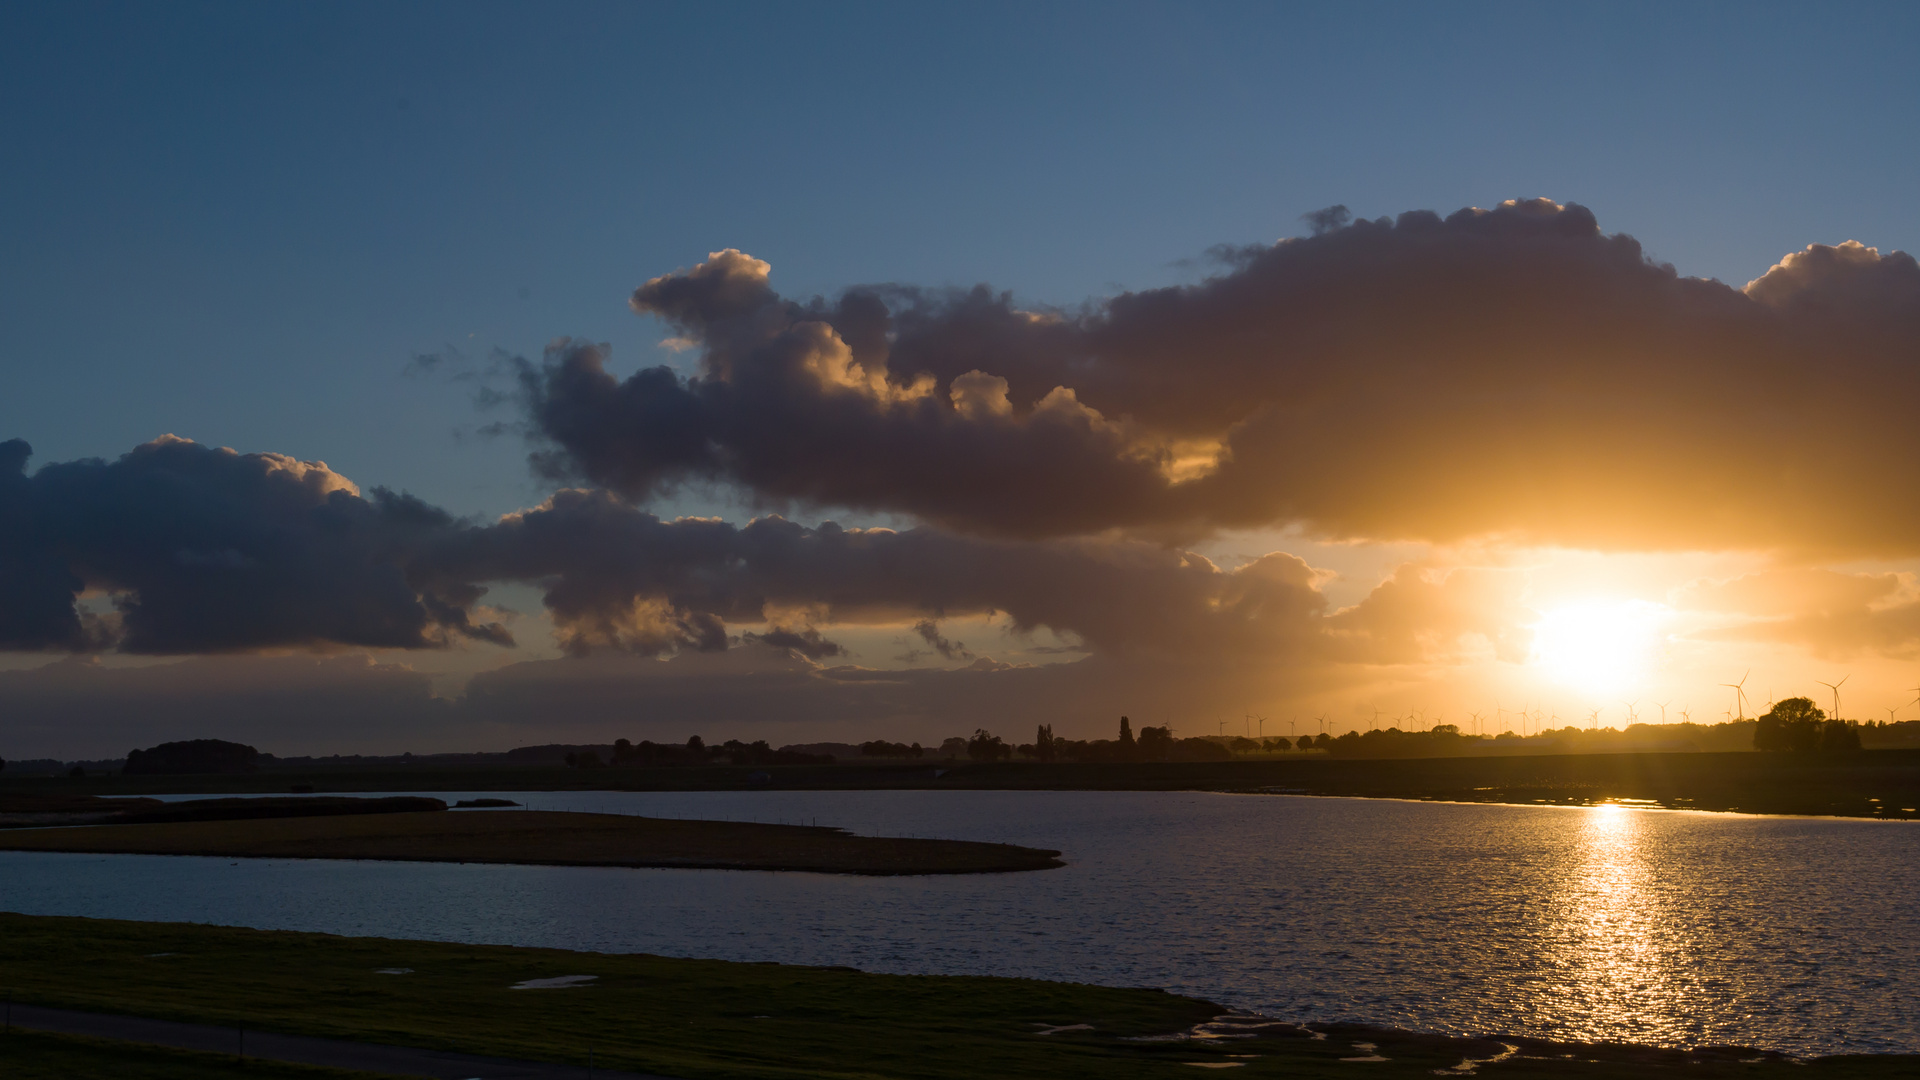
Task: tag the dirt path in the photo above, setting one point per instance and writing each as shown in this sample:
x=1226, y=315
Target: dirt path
x=302, y=1049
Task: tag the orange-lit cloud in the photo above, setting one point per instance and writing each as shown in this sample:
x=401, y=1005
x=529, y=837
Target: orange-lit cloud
x=1514, y=373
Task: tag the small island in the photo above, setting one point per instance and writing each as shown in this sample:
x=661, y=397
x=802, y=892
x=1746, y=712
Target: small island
x=542, y=837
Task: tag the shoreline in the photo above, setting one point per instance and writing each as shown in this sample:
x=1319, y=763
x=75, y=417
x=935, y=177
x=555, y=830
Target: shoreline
x=543, y=838
x=707, y=1018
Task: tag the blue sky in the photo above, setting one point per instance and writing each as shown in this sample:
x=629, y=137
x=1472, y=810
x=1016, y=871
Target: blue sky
x=237, y=222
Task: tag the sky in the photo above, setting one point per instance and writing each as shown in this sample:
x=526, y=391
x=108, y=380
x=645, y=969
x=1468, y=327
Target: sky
x=570, y=277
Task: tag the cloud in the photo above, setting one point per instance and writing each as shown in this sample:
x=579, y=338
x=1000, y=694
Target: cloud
x=807, y=642
x=205, y=550
x=1831, y=614
x=1513, y=373
x=929, y=632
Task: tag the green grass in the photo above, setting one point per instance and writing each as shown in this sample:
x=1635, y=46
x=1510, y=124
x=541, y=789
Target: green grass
x=699, y=1018
x=35, y=1055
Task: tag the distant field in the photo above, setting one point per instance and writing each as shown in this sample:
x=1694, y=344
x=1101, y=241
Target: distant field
x=546, y=838
x=1876, y=783
x=702, y=1019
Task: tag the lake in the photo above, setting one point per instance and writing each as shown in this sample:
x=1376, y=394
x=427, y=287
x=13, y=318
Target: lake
x=1797, y=934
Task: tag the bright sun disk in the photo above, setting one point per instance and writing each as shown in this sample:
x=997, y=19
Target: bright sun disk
x=1599, y=646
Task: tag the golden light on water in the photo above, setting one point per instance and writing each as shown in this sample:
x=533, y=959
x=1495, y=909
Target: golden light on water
x=1600, y=647
x=1616, y=970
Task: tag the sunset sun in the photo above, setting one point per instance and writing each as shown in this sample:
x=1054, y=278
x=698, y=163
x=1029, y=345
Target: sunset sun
x=1600, y=646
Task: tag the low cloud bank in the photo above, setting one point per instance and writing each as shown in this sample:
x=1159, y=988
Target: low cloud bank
x=205, y=550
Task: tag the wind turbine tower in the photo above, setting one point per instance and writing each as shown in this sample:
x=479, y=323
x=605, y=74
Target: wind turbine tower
x=1740, y=694
x=1835, y=687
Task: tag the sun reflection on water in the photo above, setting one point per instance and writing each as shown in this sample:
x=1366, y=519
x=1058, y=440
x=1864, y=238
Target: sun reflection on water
x=1615, y=968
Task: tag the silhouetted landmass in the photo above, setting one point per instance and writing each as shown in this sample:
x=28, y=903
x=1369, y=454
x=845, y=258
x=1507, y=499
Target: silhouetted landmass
x=1871, y=783
x=20, y=809
x=192, y=756
x=714, y=1018
x=544, y=838
x=288, y=807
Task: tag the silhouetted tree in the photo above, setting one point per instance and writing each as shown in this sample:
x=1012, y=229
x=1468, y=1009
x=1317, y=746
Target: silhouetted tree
x=1793, y=724
x=1155, y=743
x=985, y=746
x=1840, y=737
x=1043, y=743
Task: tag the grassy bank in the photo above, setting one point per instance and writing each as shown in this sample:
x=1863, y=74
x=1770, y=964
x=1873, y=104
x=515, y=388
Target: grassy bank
x=33, y=1055
x=546, y=838
x=1876, y=783
x=709, y=1019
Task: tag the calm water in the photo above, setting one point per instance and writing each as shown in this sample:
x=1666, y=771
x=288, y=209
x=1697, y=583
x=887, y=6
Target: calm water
x=1787, y=933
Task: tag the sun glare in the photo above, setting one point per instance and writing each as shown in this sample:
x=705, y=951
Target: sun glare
x=1600, y=646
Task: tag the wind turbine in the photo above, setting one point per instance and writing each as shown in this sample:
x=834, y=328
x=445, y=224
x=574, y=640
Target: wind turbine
x=1262, y=722
x=1890, y=713
x=1476, y=723
x=1835, y=687
x=1686, y=716
x=1632, y=716
x=1740, y=693
x=1593, y=720
x=1663, y=711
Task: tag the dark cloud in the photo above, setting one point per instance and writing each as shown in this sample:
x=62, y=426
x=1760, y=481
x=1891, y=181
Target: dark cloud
x=807, y=642
x=207, y=550
x=929, y=632
x=619, y=577
x=1514, y=372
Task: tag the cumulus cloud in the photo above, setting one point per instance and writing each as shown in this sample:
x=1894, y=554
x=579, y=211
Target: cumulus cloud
x=207, y=550
x=1513, y=372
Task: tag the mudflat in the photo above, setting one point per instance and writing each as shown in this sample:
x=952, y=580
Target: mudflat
x=543, y=837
